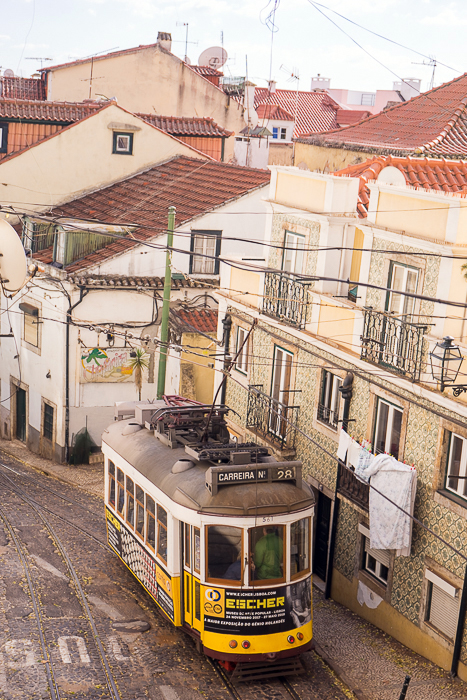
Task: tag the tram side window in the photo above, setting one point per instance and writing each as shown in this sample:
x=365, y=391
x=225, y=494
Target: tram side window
x=121, y=491
x=299, y=547
x=187, y=546
x=130, y=502
x=162, y=533
x=196, y=550
x=150, y=522
x=111, y=472
x=139, y=511
x=267, y=553
x=224, y=553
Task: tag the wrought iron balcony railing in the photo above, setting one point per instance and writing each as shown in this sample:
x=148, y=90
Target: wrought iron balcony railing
x=328, y=416
x=285, y=298
x=270, y=418
x=352, y=488
x=393, y=343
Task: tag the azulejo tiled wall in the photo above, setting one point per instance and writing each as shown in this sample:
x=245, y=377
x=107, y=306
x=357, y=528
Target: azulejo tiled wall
x=420, y=448
x=279, y=224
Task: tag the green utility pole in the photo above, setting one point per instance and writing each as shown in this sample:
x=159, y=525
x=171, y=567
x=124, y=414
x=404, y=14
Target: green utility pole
x=166, y=306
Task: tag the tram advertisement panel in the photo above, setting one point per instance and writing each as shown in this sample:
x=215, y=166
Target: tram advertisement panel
x=250, y=612
x=142, y=564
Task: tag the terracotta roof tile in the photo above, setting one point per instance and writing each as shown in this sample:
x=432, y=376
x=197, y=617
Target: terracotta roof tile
x=134, y=282
x=433, y=123
x=316, y=111
x=426, y=173
x=22, y=88
x=204, y=320
x=63, y=112
x=205, y=70
x=350, y=116
x=194, y=187
x=274, y=113
x=186, y=126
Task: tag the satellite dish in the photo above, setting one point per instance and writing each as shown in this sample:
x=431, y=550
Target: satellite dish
x=187, y=61
x=391, y=176
x=8, y=73
x=215, y=57
x=13, y=267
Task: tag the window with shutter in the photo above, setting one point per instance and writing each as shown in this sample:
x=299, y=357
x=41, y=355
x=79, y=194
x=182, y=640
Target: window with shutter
x=376, y=562
x=443, y=604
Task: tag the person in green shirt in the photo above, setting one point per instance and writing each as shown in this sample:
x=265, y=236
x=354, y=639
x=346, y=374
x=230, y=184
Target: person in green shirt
x=268, y=555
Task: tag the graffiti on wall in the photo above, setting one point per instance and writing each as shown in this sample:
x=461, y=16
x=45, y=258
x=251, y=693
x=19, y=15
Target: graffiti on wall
x=105, y=365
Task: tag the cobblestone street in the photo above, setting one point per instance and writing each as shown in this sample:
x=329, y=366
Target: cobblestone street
x=162, y=662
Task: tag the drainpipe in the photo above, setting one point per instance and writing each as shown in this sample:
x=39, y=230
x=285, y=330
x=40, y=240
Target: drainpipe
x=460, y=628
x=346, y=391
x=227, y=324
x=82, y=294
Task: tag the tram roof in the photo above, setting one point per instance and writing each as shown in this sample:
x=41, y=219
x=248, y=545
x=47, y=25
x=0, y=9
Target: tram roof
x=154, y=460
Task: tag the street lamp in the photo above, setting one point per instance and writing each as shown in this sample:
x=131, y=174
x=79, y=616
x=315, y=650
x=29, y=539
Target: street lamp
x=446, y=360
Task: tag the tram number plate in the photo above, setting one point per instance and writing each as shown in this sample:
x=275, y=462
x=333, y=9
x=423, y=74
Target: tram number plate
x=283, y=474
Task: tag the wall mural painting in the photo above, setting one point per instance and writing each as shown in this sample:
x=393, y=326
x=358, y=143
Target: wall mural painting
x=106, y=365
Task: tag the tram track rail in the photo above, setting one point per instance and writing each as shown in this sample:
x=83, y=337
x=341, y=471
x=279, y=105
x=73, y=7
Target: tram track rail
x=96, y=540
x=110, y=681
x=234, y=690
x=51, y=681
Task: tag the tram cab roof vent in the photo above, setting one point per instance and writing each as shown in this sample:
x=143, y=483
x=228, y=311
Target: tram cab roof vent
x=182, y=465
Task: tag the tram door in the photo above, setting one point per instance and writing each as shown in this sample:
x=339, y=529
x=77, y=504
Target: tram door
x=191, y=576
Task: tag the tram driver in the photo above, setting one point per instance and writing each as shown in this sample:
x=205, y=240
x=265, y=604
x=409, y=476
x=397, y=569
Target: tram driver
x=266, y=563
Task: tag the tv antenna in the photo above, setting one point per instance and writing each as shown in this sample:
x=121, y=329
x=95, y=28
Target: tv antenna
x=294, y=76
x=432, y=63
x=38, y=58
x=185, y=24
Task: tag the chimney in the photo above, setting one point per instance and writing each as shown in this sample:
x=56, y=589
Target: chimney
x=272, y=86
x=320, y=83
x=164, y=39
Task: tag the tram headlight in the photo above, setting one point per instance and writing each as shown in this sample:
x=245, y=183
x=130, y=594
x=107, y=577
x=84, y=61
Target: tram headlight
x=246, y=644
x=233, y=643
x=290, y=639
x=299, y=636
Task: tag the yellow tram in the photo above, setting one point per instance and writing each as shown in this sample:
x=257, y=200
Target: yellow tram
x=218, y=533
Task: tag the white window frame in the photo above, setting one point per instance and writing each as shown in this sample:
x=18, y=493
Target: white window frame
x=283, y=133
x=280, y=389
x=405, y=306
x=389, y=424
x=461, y=489
x=381, y=557
x=293, y=260
x=241, y=363
x=442, y=605
x=329, y=398
x=128, y=139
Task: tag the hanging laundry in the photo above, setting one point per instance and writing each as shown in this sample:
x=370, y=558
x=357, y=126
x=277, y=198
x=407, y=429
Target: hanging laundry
x=390, y=528
x=353, y=455
x=344, y=442
x=364, y=461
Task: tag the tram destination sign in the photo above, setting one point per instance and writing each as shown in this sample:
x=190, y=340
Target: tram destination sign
x=230, y=475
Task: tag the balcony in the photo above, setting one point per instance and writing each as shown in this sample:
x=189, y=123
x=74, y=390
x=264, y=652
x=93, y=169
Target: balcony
x=285, y=298
x=328, y=416
x=271, y=419
x=352, y=488
x=389, y=342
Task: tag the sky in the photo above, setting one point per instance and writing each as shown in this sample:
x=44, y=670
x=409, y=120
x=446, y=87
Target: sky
x=305, y=41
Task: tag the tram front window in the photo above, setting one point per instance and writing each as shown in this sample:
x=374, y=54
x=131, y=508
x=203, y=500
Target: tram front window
x=299, y=547
x=224, y=550
x=267, y=553
x=121, y=491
